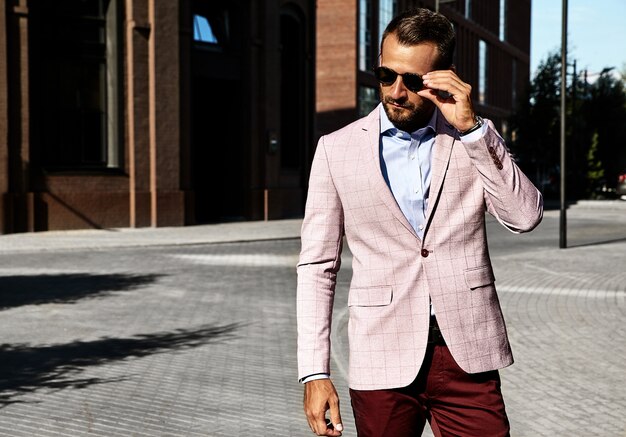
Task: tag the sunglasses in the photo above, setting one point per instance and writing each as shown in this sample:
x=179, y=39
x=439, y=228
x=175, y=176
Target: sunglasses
x=386, y=76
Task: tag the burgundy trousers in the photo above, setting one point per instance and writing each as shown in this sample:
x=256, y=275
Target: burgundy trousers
x=454, y=402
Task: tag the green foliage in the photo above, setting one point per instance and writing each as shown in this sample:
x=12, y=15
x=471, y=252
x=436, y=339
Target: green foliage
x=605, y=112
x=595, y=170
x=537, y=125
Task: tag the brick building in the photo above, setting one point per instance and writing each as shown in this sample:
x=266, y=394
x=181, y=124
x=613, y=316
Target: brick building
x=118, y=113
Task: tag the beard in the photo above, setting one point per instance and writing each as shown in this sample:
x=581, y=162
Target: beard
x=413, y=117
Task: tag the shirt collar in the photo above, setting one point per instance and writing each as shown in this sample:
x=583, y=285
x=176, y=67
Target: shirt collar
x=387, y=127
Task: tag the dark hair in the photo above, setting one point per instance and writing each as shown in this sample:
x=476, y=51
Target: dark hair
x=418, y=26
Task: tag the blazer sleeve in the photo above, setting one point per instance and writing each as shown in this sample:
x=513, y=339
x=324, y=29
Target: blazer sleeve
x=509, y=195
x=320, y=259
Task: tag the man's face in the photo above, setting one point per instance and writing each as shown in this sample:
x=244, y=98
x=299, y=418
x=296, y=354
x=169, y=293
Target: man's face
x=405, y=109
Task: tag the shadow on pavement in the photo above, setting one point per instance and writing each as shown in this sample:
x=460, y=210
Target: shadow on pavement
x=16, y=291
x=597, y=243
x=26, y=369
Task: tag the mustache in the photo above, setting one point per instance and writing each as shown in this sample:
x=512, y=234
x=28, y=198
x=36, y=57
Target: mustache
x=400, y=102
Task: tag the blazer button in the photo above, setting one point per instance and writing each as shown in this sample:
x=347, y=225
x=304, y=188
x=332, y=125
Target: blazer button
x=425, y=252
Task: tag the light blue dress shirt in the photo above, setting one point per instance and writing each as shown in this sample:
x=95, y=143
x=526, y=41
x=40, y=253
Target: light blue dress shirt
x=405, y=165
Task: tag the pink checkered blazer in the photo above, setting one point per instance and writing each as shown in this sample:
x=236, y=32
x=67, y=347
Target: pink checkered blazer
x=395, y=273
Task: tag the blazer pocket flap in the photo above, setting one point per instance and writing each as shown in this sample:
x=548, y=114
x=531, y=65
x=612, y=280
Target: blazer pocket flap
x=479, y=277
x=370, y=296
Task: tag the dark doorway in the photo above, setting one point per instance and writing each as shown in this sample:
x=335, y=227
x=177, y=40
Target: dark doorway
x=217, y=150
x=295, y=113
x=293, y=89
x=219, y=142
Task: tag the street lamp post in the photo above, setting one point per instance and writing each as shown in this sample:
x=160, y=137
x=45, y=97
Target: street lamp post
x=563, y=213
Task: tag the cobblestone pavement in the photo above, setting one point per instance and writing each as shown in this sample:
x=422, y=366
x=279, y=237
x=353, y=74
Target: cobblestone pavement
x=182, y=333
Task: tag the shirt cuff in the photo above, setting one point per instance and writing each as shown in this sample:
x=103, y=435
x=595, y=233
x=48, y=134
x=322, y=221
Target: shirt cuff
x=472, y=137
x=314, y=377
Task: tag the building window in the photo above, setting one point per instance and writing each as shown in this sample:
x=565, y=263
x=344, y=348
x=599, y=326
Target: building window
x=387, y=9
x=203, y=31
x=502, y=32
x=468, y=9
x=368, y=99
x=482, y=71
x=211, y=27
x=365, y=35
x=77, y=83
x=374, y=15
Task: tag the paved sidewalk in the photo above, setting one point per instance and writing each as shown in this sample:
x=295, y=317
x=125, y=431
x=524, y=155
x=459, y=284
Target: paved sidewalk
x=191, y=331
x=149, y=237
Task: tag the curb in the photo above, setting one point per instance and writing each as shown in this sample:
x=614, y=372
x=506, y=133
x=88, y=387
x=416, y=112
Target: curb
x=239, y=232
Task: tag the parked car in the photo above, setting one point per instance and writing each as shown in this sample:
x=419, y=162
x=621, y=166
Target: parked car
x=621, y=184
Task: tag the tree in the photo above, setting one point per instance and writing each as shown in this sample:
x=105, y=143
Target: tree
x=605, y=112
x=595, y=171
x=537, y=127
x=596, y=127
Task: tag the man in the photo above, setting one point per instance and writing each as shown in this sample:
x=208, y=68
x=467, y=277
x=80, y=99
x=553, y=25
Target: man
x=408, y=186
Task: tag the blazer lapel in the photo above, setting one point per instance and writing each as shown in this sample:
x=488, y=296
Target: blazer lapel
x=371, y=130
x=440, y=161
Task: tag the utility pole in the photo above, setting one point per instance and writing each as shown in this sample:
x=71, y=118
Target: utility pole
x=563, y=214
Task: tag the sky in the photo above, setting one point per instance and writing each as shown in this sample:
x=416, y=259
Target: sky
x=596, y=33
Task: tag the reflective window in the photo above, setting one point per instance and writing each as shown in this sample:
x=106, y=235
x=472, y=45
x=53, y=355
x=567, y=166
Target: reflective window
x=76, y=47
x=370, y=31
x=482, y=71
x=211, y=26
x=365, y=35
x=374, y=16
x=387, y=10
x=202, y=30
x=368, y=99
x=468, y=8
x=502, y=20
